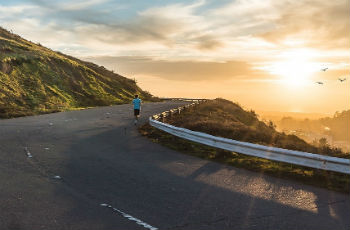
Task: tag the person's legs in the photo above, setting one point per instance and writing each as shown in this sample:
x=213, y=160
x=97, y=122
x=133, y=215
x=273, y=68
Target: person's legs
x=136, y=113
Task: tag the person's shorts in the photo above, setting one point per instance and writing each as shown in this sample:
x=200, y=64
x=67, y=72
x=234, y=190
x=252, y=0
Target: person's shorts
x=136, y=112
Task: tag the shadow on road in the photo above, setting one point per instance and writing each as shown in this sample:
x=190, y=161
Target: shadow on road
x=136, y=176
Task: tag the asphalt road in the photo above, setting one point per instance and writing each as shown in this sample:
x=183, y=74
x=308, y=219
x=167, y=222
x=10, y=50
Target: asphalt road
x=100, y=158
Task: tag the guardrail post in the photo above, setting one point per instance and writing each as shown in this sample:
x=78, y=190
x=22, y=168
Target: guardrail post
x=161, y=118
x=170, y=113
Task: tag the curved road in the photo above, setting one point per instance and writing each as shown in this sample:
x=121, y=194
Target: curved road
x=57, y=169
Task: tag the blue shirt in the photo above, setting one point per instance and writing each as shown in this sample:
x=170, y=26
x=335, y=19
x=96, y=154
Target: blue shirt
x=137, y=103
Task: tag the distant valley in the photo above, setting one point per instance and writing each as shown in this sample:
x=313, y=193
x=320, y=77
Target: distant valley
x=313, y=127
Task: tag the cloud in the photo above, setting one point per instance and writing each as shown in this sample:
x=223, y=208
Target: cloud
x=208, y=42
x=99, y=20
x=80, y=5
x=68, y=5
x=170, y=25
x=180, y=70
x=248, y=30
x=11, y=12
x=320, y=24
x=174, y=25
x=284, y=23
x=142, y=29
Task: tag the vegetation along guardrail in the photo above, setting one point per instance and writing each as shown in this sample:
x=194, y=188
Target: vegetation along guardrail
x=272, y=153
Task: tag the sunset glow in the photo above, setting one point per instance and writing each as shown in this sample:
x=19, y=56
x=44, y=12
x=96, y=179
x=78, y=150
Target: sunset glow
x=185, y=48
x=295, y=68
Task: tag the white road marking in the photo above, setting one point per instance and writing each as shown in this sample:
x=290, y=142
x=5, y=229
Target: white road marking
x=29, y=155
x=57, y=177
x=129, y=217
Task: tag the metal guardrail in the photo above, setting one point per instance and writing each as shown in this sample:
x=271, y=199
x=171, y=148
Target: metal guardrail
x=163, y=115
x=272, y=153
x=181, y=99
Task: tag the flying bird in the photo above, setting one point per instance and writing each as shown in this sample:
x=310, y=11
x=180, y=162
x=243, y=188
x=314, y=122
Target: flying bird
x=324, y=69
x=341, y=79
x=319, y=82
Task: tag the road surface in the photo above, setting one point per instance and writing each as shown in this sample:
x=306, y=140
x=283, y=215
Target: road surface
x=91, y=169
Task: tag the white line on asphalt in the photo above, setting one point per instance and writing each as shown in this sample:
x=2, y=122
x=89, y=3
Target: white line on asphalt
x=27, y=152
x=129, y=217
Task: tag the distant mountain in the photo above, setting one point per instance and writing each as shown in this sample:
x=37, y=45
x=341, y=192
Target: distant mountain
x=337, y=126
x=278, y=115
x=35, y=79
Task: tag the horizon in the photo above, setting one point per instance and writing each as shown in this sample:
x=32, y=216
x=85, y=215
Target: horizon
x=267, y=56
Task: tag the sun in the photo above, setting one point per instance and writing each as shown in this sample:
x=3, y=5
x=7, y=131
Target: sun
x=294, y=67
x=293, y=72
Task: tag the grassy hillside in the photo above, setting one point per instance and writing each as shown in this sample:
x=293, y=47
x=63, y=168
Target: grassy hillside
x=224, y=118
x=35, y=79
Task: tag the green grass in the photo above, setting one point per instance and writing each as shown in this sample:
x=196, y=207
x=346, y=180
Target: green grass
x=35, y=80
x=330, y=180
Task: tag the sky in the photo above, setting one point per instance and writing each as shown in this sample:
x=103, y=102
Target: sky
x=264, y=54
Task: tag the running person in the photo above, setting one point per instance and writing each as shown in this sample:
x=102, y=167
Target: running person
x=137, y=107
